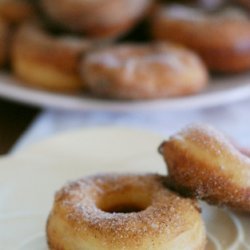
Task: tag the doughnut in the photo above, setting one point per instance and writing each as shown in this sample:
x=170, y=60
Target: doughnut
x=44, y=61
x=16, y=11
x=202, y=163
x=4, y=38
x=129, y=212
x=198, y=30
x=129, y=71
x=100, y=18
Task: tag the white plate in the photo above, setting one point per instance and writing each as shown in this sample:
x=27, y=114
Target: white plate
x=29, y=179
x=222, y=90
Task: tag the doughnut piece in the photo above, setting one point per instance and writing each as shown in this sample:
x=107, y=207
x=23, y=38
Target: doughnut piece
x=16, y=11
x=4, y=39
x=98, y=18
x=227, y=52
x=47, y=62
x=202, y=163
x=143, y=71
x=114, y=212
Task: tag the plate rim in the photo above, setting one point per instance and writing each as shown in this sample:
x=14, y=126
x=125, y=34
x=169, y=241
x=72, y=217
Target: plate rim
x=11, y=89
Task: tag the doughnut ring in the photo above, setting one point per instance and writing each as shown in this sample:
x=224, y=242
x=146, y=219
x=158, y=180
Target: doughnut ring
x=198, y=30
x=16, y=11
x=114, y=212
x=47, y=62
x=143, y=71
x=4, y=38
x=101, y=19
x=202, y=163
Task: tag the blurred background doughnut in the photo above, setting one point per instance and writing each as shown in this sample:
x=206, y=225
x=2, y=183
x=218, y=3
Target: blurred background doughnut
x=45, y=61
x=97, y=18
x=148, y=71
x=222, y=38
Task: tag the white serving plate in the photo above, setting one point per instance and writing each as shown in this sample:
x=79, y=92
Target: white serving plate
x=222, y=90
x=29, y=179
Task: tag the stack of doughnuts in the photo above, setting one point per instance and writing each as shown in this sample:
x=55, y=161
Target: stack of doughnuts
x=67, y=46
x=92, y=47
x=148, y=211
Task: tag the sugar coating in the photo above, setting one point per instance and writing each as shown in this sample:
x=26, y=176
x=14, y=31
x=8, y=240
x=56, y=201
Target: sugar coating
x=165, y=218
x=206, y=137
x=203, y=163
x=131, y=57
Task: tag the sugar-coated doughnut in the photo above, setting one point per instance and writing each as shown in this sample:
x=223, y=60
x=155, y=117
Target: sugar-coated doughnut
x=129, y=212
x=202, y=163
x=47, y=62
x=16, y=11
x=99, y=18
x=222, y=38
x=149, y=71
x=4, y=42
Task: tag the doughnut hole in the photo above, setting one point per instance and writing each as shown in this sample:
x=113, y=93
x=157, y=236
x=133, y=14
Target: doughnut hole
x=125, y=202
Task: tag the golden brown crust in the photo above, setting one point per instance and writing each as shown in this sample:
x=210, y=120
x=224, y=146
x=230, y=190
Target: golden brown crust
x=97, y=18
x=4, y=41
x=44, y=61
x=167, y=221
x=143, y=71
x=16, y=11
x=203, y=164
x=227, y=52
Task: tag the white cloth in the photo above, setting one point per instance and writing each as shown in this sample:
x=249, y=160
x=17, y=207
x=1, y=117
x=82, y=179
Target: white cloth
x=231, y=119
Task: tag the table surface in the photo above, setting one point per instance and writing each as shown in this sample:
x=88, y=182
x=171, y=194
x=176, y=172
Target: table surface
x=14, y=119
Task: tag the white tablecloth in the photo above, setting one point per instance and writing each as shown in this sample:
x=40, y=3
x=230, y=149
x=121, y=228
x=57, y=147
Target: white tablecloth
x=233, y=120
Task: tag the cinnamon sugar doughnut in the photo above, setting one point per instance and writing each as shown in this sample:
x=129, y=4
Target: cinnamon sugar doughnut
x=222, y=38
x=16, y=11
x=202, y=163
x=47, y=62
x=4, y=38
x=143, y=71
x=114, y=212
x=100, y=18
